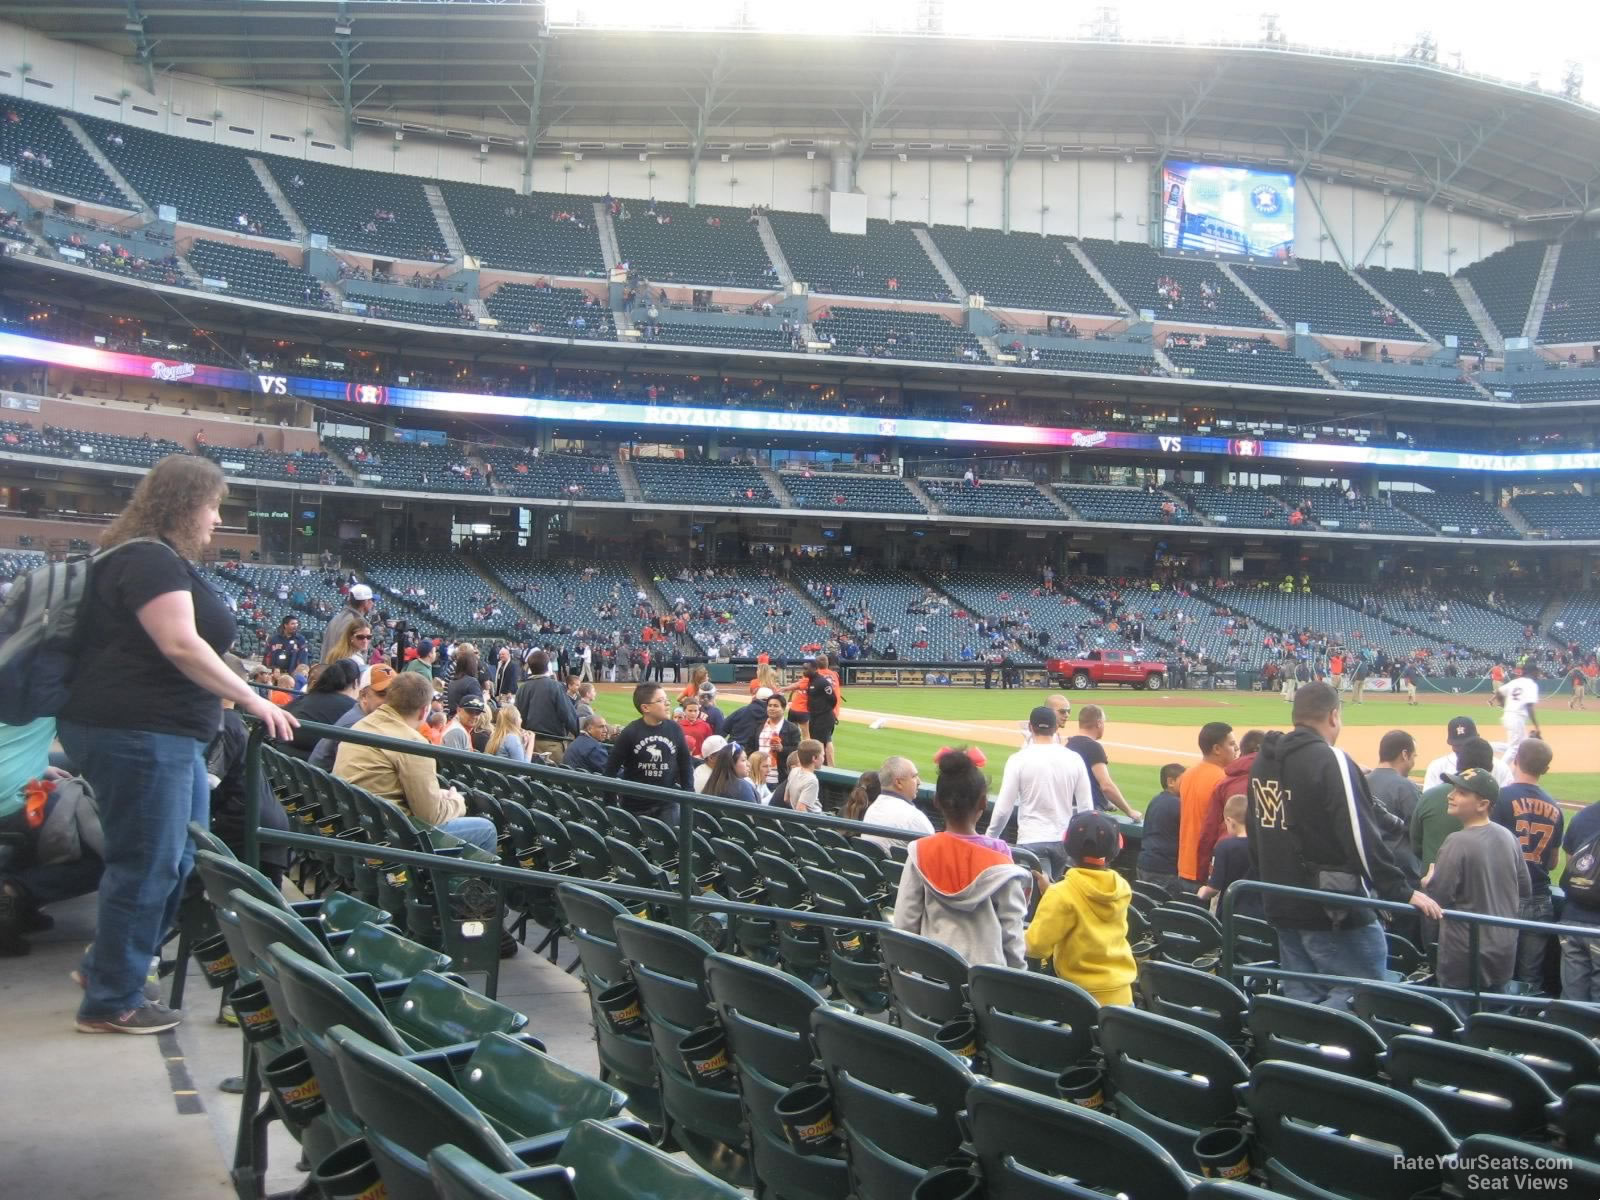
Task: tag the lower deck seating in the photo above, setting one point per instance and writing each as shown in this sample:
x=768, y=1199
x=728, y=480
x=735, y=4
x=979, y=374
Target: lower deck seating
x=257, y=275
x=886, y=333
x=551, y=312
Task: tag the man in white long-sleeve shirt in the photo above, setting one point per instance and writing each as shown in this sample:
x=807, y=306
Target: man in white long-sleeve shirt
x=1046, y=784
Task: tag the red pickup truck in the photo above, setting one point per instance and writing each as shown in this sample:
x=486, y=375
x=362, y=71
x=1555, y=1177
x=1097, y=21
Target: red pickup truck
x=1107, y=666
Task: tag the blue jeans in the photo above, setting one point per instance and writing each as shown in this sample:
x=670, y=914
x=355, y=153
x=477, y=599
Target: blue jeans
x=55, y=882
x=476, y=831
x=148, y=787
x=1052, y=855
x=1360, y=952
x=1580, y=969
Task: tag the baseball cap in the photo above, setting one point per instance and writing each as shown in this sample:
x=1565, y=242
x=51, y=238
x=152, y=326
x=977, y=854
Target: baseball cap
x=765, y=693
x=711, y=745
x=708, y=688
x=378, y=677
x=360, y=592
x=1093, y=839
x=471, y=703
x=1460, y=729
x=1043, y=719
x=1477, y=781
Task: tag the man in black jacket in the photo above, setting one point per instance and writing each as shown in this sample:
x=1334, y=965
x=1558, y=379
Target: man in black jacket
x=507, y=674
x=744, y=724
x=1311, y=825
x=547, y=711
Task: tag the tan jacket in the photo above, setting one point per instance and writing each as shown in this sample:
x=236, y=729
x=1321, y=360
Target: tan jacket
x=410, y=780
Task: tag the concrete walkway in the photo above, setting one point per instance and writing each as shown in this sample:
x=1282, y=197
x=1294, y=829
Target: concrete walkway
x=84, y=1117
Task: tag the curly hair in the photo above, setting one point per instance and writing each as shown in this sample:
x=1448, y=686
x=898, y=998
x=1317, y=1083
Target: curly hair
x=167, y=503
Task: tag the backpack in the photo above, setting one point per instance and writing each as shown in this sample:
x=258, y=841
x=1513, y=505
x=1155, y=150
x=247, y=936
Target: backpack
x=1582, y=880
x=40, y=635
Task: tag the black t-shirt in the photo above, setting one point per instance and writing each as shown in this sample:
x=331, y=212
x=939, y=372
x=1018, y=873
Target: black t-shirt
x=1229, y=861
x=323, y=707
x=460, y=687
x=821, y=698
x=1091, y=752
x=1158, y=847
x=123, y=681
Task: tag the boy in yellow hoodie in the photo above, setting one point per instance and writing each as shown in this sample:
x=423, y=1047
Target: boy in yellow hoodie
x=1082, y=922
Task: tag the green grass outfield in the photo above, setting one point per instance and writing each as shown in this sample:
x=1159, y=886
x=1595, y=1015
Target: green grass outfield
x=858, y=748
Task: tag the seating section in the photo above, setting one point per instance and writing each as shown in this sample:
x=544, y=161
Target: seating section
x=1022, y=619
x=1429, y=299
x=378, y=212
x=1453, y=620
x=739, y=612
x=908, y=617
x=841, y=491
x=442, y=587
x=1456, y=514
x=551, y=312
x=580, y=603
x=1332, y=511
x=706, y=244
x=991, y=498
x=1145, y=279
x=1021, y=270
x=409, y=465
x=117, y=259
x=1319, y=614
x=425, y=309
x=301, y=466
x=1552, y=385
x=1505, y=281
x=1324, y=296
x=1165, y=619
x=259, y=612
x=735, y=337
x=1409, y=383
x=1060, y=358
x=1233, y=505
x=86, y=446
x=257, y=275
x=886, y=333
x=1123, y=506
x=1240, y=360
x=1572, y=312
x=888, y=261
x=1560, y=515
x=552, y=476
x=41, y=152
x=501, y=228
x=208, y=184
x=696, y=482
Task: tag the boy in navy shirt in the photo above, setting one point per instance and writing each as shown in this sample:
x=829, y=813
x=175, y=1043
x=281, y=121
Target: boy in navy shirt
x=1158, y=849
x=1231, y=859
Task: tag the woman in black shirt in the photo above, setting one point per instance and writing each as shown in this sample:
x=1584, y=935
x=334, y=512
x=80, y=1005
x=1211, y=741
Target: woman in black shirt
x=331, y=696
x=142, y=708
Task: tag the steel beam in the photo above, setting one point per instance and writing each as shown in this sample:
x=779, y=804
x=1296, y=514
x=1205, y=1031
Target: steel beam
x=872, y=112
x=705, y=116
x=1460, y=155
x=535, y=105
x=144, y=49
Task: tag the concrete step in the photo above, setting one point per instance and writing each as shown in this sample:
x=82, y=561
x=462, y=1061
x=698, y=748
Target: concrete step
x=776, y=485
x=447, y=223
x=104, y=163
x=285, y=208
x=1541, y=292
x=916, y=490
x=1321, y=369
x=1237, y=280
x=775, y=253
x=1479, y=314
x=936, y=257
x=608, y=234
x=1095, y=274
x=629, y=482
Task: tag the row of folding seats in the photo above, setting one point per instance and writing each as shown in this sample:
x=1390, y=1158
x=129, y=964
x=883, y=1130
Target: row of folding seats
x=342, y=202
x=410, y=465
x=735, y=337
x=301, y=466
x=1560, y=514
x=1323, y=295
x=881, y=333
x=1551, y=385
x=1204, y=295
x=891, y=599
x=452, y=593
x=1123, y=505
x=1243, y=360
x=1408, y=383
x=1429, y=299
x=1456, y=514
x=1332, y=510
x=1572, y=312
x=569, y=596
x=707, y=244
x=1504, y=283
x=888, y=261
x=551, y=312
x=501, y=228
x=257, y=274
x=1062, y=359
x=552, y=476
x=42, y=153
x=723, y=484
x=841, y=490
x=1025, y=270
x=421, y=308
x=991, y=498
x=776, y=621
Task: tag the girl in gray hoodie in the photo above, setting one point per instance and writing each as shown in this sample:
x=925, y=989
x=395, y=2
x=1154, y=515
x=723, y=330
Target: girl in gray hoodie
x=960, y=887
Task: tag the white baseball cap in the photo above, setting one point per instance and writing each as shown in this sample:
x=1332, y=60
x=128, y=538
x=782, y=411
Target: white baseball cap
x=711, y=745
x=765, y=693
x=361, y=592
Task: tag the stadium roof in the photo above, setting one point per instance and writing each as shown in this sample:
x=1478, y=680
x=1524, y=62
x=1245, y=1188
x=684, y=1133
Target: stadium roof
x=1415, y=126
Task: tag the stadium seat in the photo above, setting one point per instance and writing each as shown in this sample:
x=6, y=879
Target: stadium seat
x=896, y=1098
x=1563, y=1057
x=55, y=161
x=342, y=201
x=847, y=265
x=1205, y=295
x=1325, y=1135
x=1327, y=299
x=546, y=311
x=1171, y=1080
x=1195, y=998
x=1240, y=360
x=896, y=333
x=1429, y=299
x=707, y=244
x=504, y=229
x=1394, y=1010
x=1032, y=1148
x=1007, y=270
x=1472, y=1091
x=1505, y=281
x=927, y=978
x=1313, y=1035
x=1032, y=1026
x=257, y=275
x=1572, y=311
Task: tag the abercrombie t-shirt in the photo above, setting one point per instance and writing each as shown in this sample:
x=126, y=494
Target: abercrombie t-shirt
x=122, y=680
x=654, y=754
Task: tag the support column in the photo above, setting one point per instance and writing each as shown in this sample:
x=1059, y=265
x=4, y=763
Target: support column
x=844, y=176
